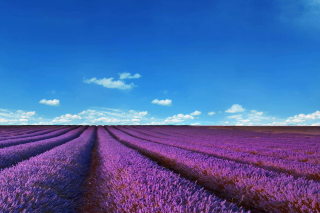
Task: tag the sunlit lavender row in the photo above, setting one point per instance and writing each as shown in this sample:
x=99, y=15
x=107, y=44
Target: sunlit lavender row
x=157, y=169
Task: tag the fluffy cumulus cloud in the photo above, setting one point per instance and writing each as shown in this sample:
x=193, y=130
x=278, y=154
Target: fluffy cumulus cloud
x=303, y=118
x=211, y=113
x=54, y=102
x=110, y=83
x=254, y=117
x=181, y=118
x=235, y=108
x=18, y=117
x=114, y=84
x=64, y=119
x=107, y=116
x=166, y=102
x=195, y=113
x=126, y=75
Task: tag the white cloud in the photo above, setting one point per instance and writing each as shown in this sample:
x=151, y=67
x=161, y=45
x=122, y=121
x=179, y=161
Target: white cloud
x=54, y=102
x=3, y=120
x=237, y=117
x=126, y=75
x=256, y=112
x=179, y=118
x=245, y=120
x=253, y=117
x=195, y=113
x=114, y=116
x=235, y=108
x=24, y=114
x=166, y=102
x=211, y=113
x=18, y=117
x=182, y=116
x=302, y=118
x=106, y=120
x=138, y=114
x=67, y=118
x=109, y=83
x=173, y=120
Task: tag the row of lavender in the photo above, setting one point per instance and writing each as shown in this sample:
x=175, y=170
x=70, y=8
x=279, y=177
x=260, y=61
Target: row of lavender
x=51, y=175
x=256, y=187
x=285, y=141
x=296, y=168
x=130, y=182
x=16, y=141
x=294, y=148
x=53, y=168
x=13, y=154
x=9, y=131
x=51, y=178
x=28, y=133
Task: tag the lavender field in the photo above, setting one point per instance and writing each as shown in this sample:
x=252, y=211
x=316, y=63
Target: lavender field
x=159, y=169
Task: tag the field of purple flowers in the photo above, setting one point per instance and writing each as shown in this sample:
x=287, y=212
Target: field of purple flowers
x=158, y=169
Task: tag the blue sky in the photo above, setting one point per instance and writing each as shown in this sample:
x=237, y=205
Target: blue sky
x=160, y=62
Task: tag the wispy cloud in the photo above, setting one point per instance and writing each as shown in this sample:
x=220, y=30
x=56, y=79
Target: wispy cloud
x=110, y=83
x=54, y=102
x=126, y=75
x=65, y=118
x=303, y=118
x=19, y=117
x=235, y=108
x=211, y=113
x=166, y=102
x=195, y=113
x=179, y=118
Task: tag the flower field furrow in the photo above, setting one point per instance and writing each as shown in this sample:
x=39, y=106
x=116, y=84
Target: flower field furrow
x=18, y=132
x=308, y=155
x=49, y=182
x=126, y=181
x=144, y=169
x=12, y=142
x=298, y=169
x=32, y=133
x=256, y=187
x=14, y=154
x=291, y=142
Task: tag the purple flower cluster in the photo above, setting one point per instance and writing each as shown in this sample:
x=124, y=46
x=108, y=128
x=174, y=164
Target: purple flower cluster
x=32, y=132
x=296, y=168
x=10, y=131
x=14, y=154
x=157, y=169
x=129, y=182
x=256, y=187
x=16, y=141
x=296, y=147
x=49, y=182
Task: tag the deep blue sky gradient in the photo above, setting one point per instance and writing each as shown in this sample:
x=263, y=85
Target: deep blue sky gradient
x=263, y=55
